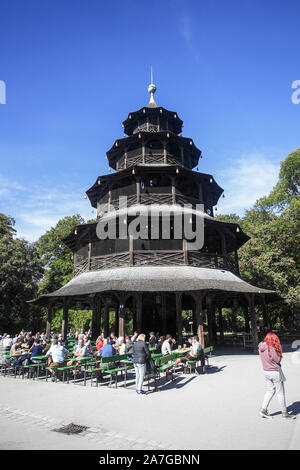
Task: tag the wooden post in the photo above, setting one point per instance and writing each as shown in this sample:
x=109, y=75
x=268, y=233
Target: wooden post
x=247, y=319
x=210, y=321
x=64, y=326
x=173, y=191
x=221, y=325
x=131, y=255
x=122, y=314
x=185, y=253
x=253, y=322
x=96, y=317
x=165, y=152
x=106, y=319
x=89, y=255
x=117, y=318
x=122, y=322
x=49, y=318
x=138, y=308
x=179, y=317
x=138, y=191
x=199, y=318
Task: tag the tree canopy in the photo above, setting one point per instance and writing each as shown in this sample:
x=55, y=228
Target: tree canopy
x=20, y=272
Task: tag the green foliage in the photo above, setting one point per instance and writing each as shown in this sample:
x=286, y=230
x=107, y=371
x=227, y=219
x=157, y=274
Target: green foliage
x=20, y=272
x=57, y=258
x=78, y=320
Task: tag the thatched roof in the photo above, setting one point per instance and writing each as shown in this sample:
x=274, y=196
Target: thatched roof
x=156, y=279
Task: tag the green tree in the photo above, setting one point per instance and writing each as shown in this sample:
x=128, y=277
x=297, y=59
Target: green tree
x=20, y=272
x=57, y=258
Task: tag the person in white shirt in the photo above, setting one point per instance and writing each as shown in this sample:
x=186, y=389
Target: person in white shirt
x=57, y=352
x=121, y=345
x=7, y=342
x=166, y=346
x=195, y=352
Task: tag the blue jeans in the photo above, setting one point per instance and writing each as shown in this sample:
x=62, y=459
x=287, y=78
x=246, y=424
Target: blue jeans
x=140, y=372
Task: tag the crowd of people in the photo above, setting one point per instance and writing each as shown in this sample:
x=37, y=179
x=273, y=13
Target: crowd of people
x=35, y=347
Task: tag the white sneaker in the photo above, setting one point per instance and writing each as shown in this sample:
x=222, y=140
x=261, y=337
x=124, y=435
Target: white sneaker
x=265, y=414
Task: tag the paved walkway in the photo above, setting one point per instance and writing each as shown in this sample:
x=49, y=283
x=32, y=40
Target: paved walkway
x=218, y=410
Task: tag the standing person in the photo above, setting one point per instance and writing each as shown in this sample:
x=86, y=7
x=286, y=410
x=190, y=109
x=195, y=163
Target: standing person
x=141, y=354
x=152, y=340
x=271, y=354
x=134, y=337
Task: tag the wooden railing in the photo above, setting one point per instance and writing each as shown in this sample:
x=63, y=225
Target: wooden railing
x=156, y=258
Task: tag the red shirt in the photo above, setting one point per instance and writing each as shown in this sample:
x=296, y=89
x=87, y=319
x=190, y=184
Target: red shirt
x=99, y=344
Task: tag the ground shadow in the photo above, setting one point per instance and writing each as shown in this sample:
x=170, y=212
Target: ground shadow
x=294, y=408
x=214, y=369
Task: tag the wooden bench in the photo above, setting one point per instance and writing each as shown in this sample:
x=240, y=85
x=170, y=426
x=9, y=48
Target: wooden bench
x=193, y=363
x=108, y=366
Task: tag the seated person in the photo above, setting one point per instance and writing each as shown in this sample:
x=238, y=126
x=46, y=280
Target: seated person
x=166, y=348
x=36, y=350
x=28, y=341
x=79, y=350
x=100, y=342
x=194, y=353
x=16, y=348
x=57, y=353
x=46, y=346
x=107, y=349
x=121, y=345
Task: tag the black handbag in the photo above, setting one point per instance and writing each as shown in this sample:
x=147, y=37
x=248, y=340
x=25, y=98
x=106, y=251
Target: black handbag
x=150, y=366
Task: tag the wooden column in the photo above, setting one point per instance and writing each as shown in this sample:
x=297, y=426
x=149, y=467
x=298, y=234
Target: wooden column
x=179, y=317
x=138, y=191
x=138, y=309
x=254, y=333
x=49, y=318
x=109, y=198
x=131, y=255
x=247, y=319
x=106, y=319
x=96, y=317
x=117, y=319
x=185, y=252
x=89, y=255
x=221, y=325
x=211, y=320
x=199, y=318
x=173, y=191
x=122, y=322
x=122, y=314
x=165, y=152
x=64, y=326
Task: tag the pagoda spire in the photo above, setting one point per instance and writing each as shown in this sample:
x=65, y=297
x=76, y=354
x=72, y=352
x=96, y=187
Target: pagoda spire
x=152, y=90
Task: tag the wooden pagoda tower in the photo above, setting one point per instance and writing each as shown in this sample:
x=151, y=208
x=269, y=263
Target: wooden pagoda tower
x=156, y=278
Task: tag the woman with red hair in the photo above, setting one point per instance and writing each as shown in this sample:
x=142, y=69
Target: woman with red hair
x=271, y=354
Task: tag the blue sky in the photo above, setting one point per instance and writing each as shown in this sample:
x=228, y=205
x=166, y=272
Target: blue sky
x=74, y=69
